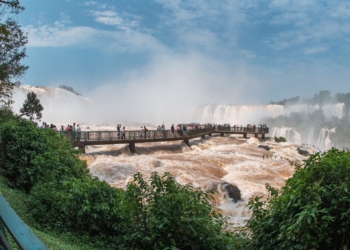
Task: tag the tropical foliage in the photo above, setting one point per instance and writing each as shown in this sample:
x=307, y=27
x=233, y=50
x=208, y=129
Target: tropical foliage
x=310, y=212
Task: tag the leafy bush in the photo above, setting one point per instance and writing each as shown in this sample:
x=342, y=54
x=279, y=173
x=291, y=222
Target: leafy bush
x=166, y=215
x=90, y=206
x=280, y=139
x=6, y=114
x=30, y=154
x=93, y=206
x=310, y=212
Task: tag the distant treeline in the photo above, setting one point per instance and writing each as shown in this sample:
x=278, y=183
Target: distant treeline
x=322, y=98
x=70, y=89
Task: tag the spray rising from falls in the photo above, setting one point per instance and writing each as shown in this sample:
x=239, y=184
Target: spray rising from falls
x=60, y=106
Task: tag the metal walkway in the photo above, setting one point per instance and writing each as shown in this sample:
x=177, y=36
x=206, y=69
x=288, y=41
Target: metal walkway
x=88, y=138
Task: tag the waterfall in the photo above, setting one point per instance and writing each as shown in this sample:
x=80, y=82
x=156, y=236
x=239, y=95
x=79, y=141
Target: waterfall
x=289, y=133
x=238, y=114
x=253, y=114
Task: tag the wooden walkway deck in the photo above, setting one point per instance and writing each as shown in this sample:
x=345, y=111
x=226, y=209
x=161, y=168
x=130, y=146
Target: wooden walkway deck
x=88, y=138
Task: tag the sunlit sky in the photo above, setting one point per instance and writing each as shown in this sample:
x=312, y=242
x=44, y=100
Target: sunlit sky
x=225, y=51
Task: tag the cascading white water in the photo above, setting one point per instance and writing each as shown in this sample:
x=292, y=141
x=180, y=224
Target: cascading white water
x=300, y=108
x=244, y=114
x=252, y=114
x=238, y=114
x=289, y=133
x=324, y=142
x=331, y=110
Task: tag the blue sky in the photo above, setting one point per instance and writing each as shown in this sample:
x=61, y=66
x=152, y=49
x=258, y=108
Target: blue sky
x=197, y=52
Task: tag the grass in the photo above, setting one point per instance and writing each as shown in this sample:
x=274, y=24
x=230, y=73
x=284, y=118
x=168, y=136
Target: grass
x=53, y=239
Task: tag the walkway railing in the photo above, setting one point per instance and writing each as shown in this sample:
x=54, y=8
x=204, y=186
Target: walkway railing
x=133, y=134
x=243, y=130
x=19, y=231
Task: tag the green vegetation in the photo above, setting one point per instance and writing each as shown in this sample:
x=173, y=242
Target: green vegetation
x=12, y=41
x=280, y=139
x=31, y=155
x=61, y=197
x=166, y=215
x=58, y=240
x=310, y=212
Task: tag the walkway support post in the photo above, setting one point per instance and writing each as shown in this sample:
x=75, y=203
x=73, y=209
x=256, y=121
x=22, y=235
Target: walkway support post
x=245, y=135
x=222, y=134
x=203, y=137
x=82, y=147
x=187, y=141
x=256, y=135
x=132, y=147
x=263, y=136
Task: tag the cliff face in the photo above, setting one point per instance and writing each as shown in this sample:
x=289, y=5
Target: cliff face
x=60, y=106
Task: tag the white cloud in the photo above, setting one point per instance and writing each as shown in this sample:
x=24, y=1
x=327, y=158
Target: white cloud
x=59, y=35
x=108, y=17
x=111, y=17
x=308, y=22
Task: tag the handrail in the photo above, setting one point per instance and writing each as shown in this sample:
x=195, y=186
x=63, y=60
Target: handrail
x=19, y=231
x=257, y=130
x=155, y=134
x=134, y=134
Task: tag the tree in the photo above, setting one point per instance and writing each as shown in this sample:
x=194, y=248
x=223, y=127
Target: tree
x=322, y=98
x=12, y=50
x=32, y=107
x=310, y=212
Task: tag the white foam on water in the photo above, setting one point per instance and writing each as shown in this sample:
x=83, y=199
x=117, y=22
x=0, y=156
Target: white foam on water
x=205, y=164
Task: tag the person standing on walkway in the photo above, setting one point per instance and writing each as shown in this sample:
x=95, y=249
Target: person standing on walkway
x=123, y=136
x=145, y=131
x=73, y=131
x=78, y=132
x=172, y=129
x=118, y=129
x=184, y=130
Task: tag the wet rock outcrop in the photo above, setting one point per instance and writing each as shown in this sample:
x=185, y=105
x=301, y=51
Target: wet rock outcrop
x=232, y=191
x=303, y=151
x=228, y=190
x=264, y=147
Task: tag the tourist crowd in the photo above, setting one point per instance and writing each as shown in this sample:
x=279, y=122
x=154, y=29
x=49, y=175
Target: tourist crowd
x=178, y=130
